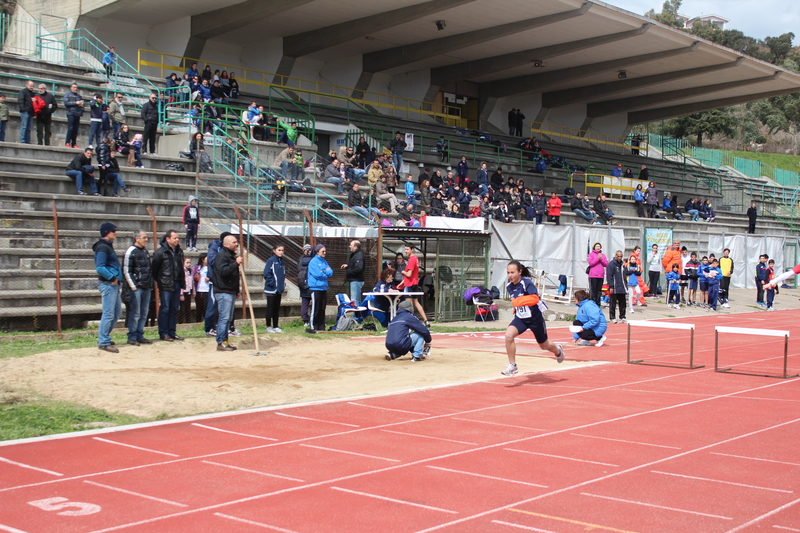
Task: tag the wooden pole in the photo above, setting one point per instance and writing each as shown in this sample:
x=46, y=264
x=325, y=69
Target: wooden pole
x=58, y=268
x=242, y=251
x=155, y=247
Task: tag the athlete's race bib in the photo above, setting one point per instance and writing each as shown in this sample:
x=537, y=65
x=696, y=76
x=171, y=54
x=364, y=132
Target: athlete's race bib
x=523, y=312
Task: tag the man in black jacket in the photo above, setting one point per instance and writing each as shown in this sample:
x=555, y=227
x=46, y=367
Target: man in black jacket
x=79, y=170
x=225, y=276
x=354, y=273
x=25, y=103
x=752, y=216
x=150, y=117
x=45, y=118
x=167, y=268
x=137, y=269
x=617, y=290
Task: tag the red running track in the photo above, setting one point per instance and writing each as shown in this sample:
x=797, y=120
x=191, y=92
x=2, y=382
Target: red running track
x=612, y=447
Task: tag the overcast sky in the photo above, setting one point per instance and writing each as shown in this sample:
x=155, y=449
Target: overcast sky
x=757, y=19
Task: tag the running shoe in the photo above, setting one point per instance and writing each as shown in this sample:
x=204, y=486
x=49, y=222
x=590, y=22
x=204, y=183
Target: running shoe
x=277, y=330
x=416, y=359
x=270, y=330
x=583, y=342
x=234, y=333
x=601, y=341
x=510, y=370
x=726, y=305
x=560, y=356
x=211, y=333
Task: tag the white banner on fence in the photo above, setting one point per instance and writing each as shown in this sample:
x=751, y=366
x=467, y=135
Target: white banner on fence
x=745, y=250
x=471, y=224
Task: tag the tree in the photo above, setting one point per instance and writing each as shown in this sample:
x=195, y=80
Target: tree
x=708, y=123
x=780, y=47
x=668, y=15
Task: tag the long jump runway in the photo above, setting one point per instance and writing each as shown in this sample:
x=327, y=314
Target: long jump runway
x=610, y=447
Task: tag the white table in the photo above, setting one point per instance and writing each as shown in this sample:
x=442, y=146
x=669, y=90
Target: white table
x=394, y=299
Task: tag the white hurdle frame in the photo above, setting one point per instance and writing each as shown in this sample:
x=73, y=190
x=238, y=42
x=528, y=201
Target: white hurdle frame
x=750, y=331
x=663, y=325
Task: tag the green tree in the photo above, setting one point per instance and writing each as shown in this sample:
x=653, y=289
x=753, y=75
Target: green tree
x=706, y=124
x=780, y=47
x=668, y=15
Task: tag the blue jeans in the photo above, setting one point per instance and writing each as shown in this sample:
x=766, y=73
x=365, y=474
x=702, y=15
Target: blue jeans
x=112, y=310
x=138, y=308
x=355, y=291
x=482, y=189
x=586, y=215
x=364, y=212
x=3, y=124
x=286, y=167
x=116, y=179
x=355, y=174
x=226, y=304
x=397, y=162
x=73, y=125
x=96, y=132
x=168, y=312
x=117, y=126
x=77, y=175
x=211, y=309
x=695, y=214
x=337, y=182
x=285, y=139
x=418, y=342
x=25, y=126
x=412, y=200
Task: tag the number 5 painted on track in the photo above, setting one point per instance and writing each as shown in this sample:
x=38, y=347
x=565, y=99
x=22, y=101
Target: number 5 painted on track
x=58, y=503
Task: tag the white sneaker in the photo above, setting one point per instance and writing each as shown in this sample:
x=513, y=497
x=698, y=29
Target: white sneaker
x=600, y=342
x=560, y=356
x=630, y=310
x=235, y=333
x=270, y=330
x=277, y=330
x=510, y=370
x=583, y=342
x=726, y=306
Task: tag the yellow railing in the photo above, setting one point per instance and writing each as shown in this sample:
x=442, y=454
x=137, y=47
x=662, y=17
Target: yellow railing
x=609, y=184
x=576, y=137
x=258, y=82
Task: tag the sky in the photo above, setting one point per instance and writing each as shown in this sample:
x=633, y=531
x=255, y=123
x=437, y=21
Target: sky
x=757, y=19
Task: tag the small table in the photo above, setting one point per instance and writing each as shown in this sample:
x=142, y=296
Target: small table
x=394, y=298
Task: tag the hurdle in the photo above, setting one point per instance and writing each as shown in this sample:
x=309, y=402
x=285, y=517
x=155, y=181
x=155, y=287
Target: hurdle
x=749, y=331
x=663, y=325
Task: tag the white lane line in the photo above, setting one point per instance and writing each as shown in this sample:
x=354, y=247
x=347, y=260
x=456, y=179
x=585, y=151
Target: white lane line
x=527, y=528
x=721, y=481
x=233, y=432
x=23, y=465
x=109, y=487
x=134, y=447
x=786, y=528
x=252, y=471
x=487, y=477
x=656, y=506
x=428, y=437
x=318, y=420
x=393, y=500
x=10, y=529
x=626, y=441
x=560, y=457
x=762, y=517
x=387, y=409
x=350, y=453
x=497, y=424
x=755, y=459
x=250, y=522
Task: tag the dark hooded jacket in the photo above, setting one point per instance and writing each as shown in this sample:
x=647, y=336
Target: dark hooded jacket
x=167, y=266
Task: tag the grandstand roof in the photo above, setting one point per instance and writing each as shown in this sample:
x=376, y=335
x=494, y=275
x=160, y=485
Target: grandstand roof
x=570, y=52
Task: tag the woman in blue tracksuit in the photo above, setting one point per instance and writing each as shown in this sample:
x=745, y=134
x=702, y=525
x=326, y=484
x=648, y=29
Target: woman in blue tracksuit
x=713, y=275
x=319, y=271
x=638, y=199
x=274, y=286
x=591, y=319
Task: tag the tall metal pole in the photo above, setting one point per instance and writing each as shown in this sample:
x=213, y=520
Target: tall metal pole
x=58, y=268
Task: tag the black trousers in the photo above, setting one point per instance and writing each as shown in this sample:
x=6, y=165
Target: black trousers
x=43, y=123
x=596, y=289
x=273, y=310
x=751, y=228
x=617, y=299
x=724, y=286
x=654, y=277
x=759, y=291
x=586, y=334
x=318, y=302
x=150, y=131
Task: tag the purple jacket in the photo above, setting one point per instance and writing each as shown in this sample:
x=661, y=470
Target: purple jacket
x=597, y=264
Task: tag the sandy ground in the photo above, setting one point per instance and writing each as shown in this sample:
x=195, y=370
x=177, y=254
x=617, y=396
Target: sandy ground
x=191, y=377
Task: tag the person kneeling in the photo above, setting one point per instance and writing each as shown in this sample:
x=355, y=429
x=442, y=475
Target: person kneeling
x=407, y=334
x=590, y=324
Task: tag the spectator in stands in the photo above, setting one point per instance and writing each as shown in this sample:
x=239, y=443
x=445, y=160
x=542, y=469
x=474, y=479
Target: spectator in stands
x=398, y=148
x=576, y=204
x=644, y=173
x=168, y=274
x=3, y=117
x=356, y=202
x=502, y=213
x=411, y=197
x=195, y=146
x=207, y=75
x=638, y=200
x=109, y=168
x=590, y=319
x=25, y=104
x=286, y=162
x=539, y=206
x=123, y=142
x=223, y=78
x=628, y=173
x=374, y=174
x=170, y=82
x=274, y=287
x=45, y=117
x=109, y=272
x=205, y=90
x=383, y=194
x=192, y=72
x=752, y=216
x=354, y=271
x=651, y=199
x=333, y=175
x=554, y=208
x=116, y=111
x=437, y=204
x=697, y=205
x=672, y=206
x=108, y=61
x=218, y=94
x=425, y=193
x=536, y=146
x=215, y=77
x=617, y=172
x=289, y=134
x=191, y=221
x=486, y=209
x=709, y=210
x=319, y=271
x=80, y=169
x=233, y=86
x=362, y=148
x=96, y=106
x=253, y=116
x=690, y=210
x=497, y=179
x=483, y=179
x=226, y=282
x=512, y=121
x=461, y=170
x=602, y=210
x=391, y=178
x=150, y=118
x=442, y=148
x=137, y=271
x=518, y=121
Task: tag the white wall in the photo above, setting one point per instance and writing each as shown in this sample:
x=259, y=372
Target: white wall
x=266, y=56
x=170, y=37
x=611, y=125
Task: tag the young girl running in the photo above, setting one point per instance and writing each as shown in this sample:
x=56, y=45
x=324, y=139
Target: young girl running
x=527, y=315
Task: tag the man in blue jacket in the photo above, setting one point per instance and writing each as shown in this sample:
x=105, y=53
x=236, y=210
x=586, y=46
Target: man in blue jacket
x=109, y=273
x=591, y=321
x=407, y=334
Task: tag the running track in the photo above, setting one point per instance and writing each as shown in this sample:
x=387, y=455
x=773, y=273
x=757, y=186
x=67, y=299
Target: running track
x=610, y=447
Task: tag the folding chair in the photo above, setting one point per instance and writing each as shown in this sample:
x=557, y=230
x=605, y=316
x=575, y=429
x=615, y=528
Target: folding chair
x=376, y=315
x=348, y=308
x=478, y=306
